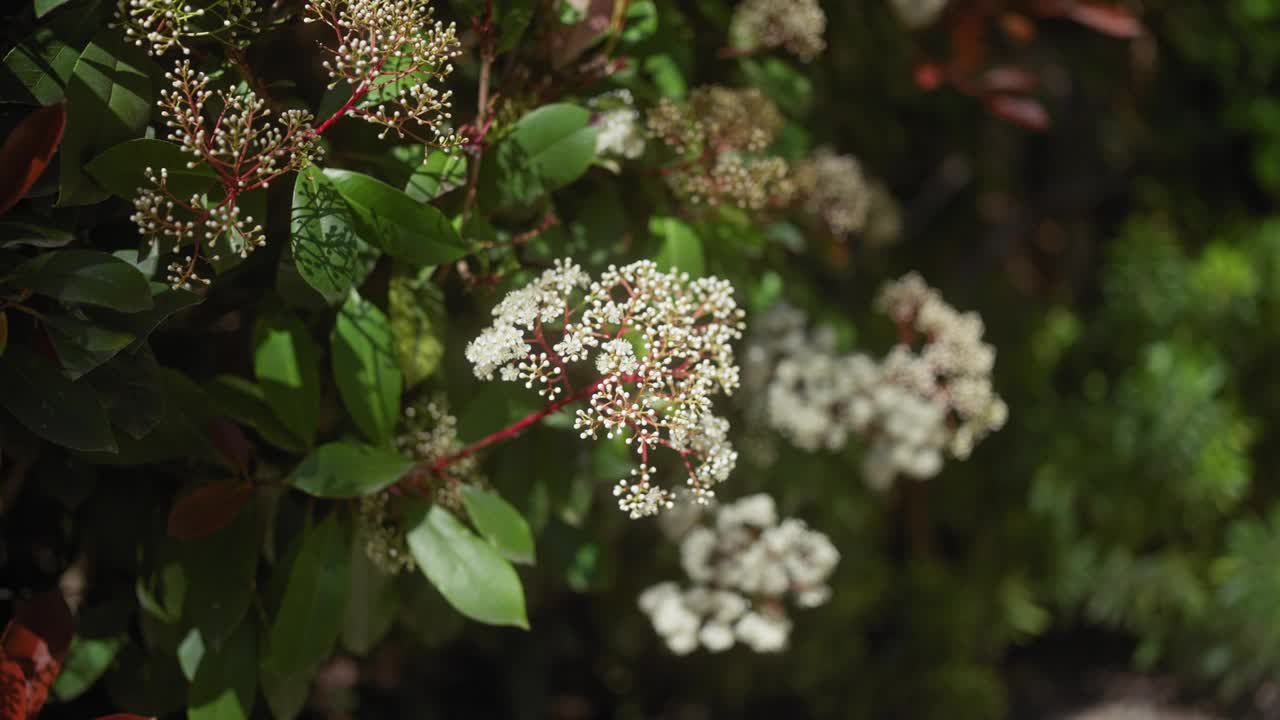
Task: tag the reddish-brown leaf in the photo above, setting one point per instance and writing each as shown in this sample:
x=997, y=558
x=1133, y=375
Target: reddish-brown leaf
x=208, y=509
x=1109, y=19
x=968, y=32
x=1018, y=27
x=36, y=641
x=27, y=151
x=1005, y=79
x=1027, y=112
x=928, y=75
x=13, y=691
x=229, y=440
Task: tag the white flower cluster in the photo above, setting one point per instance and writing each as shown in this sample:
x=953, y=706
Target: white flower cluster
x=797, y=25
x=161, y=25
x=660, y=345
x=393, y=56
x=917, y=14
x=243, y=148
x=619, y=133
x=834, y=189
x=743, y=569
x=912, y=407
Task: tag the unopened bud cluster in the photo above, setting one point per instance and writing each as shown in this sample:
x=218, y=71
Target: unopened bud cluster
x=743, y=568
x=243, y=147
x=158, y=26
x=833, y=188
x=660, y=347
x=912, y=407
x=394, y=57
x=797, y=25
x=719, y=135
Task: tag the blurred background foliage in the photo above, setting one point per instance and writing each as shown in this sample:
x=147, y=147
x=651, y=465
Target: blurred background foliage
x=1127, y=265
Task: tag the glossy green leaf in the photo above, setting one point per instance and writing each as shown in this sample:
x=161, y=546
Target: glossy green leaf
x=372, y=603
x=14, y=233
x=246, y=403
x=121, y=169
x=286, y=694
x=545, y=150
x=82, y=346
x=347, y=470
x=286, y=363
x=48, y=404
x=87, y=659
x=469, y=572
x=219, y=569
x=678, y=246
x=403, y=227
x=226, y=684
x=179, y=433
x=108, y=102
x=415, y=305
x=191, y=653
x=365, y=368
x=86, y=276
x=439, y=174
x=131, y=389
x=322, y=239
x=44, y=7
x=499, y=523
x=306, y=627
x=513, y=18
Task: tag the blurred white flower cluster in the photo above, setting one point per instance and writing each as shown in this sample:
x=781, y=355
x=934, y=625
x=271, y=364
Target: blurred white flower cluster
x=833, y=188
x=660, y=346
x=619, y=133
x=743, y=569
x=917, y=14
x=912, y=407
x=797, y=25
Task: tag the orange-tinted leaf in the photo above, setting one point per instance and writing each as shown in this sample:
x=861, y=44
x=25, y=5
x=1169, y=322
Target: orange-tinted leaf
x=229, y=440
x=13, y=691
x=1109, y=19
x=1005, y=79
x=27, y=151
x=208, y=509
x=36, y=641
x=1018, y=27
x=1027, y=112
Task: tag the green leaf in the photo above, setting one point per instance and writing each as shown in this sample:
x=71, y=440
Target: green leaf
x=44, y=7
x=121, y=169
x=219, y=569
x=545, y=150
x=87, y=659
x=130, y=388
x=82, y=346
x=47, y=403
x=286, y=363
x=86, y=276
x=441, y=173
x=108, y=102
x=315, y=597
x=347, y=470
x=226, y=684
x=324, y=243
x=191, y=653
x=372, y=603
x=469, y=572
x=416, y=308
x=499, y=523
x=14, y=233
x=395, y=222
x=791, y=89
x=286, y=694
x=246, y=403
x=365, y=369
x=679, y=246
x=41, y=66
x=180, y=432
x=515, y=16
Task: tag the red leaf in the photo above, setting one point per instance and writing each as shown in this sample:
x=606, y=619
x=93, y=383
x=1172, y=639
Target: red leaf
x=13, y=691
x=1109, y=19
x=27, y=151
x=208, y=509
x=1027, y=112
x=36, y=641
x=1005, y=79
x=928, y=75
x=230, y=442
x=1018, y=27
